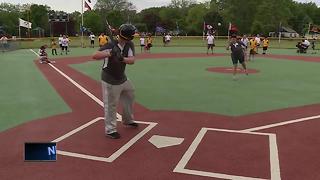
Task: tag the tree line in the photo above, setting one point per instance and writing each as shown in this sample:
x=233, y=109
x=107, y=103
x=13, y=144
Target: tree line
x=183, y=16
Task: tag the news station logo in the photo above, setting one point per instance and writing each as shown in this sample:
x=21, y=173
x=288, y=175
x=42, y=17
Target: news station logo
x=36, y=151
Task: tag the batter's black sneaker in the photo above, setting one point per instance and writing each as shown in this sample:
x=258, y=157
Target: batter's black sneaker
x=133, y=124
x=114, y=135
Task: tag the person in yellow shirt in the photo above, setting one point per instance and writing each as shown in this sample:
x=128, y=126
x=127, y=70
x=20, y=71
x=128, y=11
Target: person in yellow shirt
x=149, y=43
x=103, y=39
x=253, y=48
x=265, y=43
x=53, y=47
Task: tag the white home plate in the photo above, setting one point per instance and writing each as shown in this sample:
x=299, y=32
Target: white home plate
x=165, y=141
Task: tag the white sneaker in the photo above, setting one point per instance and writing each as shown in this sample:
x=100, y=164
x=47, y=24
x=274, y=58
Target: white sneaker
x=235, y=78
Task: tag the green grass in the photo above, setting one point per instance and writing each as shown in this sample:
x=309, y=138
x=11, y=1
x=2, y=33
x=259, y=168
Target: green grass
x=25, y=93
x=184, y=84
x=164, y=84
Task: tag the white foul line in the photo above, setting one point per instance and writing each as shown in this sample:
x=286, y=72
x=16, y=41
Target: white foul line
x=281, y=123
x=93, y=97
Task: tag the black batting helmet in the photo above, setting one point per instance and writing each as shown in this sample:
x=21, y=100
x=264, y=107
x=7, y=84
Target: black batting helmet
x=126, y=31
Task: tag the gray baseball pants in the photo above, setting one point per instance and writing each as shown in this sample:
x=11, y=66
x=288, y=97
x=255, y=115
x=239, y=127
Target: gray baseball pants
x=111, y=96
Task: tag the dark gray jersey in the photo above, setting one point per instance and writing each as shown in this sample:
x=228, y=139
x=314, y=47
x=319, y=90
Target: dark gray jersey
x=113, y=70
x=236, y=47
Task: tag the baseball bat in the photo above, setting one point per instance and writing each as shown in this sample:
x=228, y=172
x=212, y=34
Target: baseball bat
x=109, y=31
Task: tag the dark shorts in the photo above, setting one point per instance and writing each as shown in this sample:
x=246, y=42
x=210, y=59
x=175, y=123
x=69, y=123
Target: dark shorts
x=64, y=48
x=237, y=58
x=142, y=45
x=92, y=41
x=149, y=45
x=210, y=46
x=265, y=48
x=60, y=46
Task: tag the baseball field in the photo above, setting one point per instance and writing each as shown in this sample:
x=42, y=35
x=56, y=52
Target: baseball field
x=262, y=126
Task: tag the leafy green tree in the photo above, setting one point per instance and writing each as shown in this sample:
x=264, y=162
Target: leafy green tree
x=150, y=17
x=269, y=15
x=90, y=21
x=39, y=16
x=195, y=19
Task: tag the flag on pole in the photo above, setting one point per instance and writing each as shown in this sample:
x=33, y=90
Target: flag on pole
x=232, y=28
x=24, y=23
x=88, y=5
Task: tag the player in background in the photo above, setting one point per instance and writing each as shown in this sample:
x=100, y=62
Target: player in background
x=258, y=40
x=43, y=56
x=142, y=42
x=60, y=43
x=245, y=41
x=103, y=39
x=253, y=48
x=210, y=42
x=92, y=37
x=265, y=45
x=65, y=44
x=167, y=38
x=149, y=43
x=53, y=47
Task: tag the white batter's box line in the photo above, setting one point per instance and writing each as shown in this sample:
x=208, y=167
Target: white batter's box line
x=281, y=123
x=112, y=157
x=84, y=90
x=273, y=148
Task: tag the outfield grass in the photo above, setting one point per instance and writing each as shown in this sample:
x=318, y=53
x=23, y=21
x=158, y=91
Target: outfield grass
x=164, y=84
x=184, y=84
x=25, y=93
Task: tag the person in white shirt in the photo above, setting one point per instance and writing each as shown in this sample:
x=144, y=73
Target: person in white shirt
x=167, y=39
x=60, y=42
x=142, y=42
x=64, y=44
x=210, y=41
x=245, y=41
x=91, y=37
x=4, y=43
x=306, y=43
x=258, y=40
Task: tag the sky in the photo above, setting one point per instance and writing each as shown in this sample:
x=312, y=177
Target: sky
x=75, y=5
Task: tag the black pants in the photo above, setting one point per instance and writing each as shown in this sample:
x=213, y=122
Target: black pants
x=54, y=52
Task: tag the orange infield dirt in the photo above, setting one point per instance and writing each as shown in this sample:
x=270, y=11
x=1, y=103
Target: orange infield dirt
x=282, y=144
